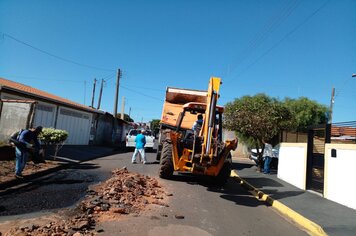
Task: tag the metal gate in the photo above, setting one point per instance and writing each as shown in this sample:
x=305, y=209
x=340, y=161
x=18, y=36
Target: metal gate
x=317, y=137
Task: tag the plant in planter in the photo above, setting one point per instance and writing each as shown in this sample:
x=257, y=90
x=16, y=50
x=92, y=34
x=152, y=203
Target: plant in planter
x=56, y=137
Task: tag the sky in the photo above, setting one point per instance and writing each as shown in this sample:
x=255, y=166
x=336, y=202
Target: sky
x=283, y=48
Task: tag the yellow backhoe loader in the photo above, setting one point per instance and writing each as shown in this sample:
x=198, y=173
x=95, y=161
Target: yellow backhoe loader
x=181, y=149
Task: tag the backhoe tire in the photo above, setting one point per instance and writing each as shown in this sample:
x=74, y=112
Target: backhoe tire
x=225, y=172
x=167, y=169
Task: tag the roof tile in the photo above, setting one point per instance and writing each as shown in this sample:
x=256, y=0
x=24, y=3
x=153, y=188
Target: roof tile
x=11, y=85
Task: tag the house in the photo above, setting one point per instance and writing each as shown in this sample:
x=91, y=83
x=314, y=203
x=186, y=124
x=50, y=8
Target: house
x=23, y=106
x=343, y=133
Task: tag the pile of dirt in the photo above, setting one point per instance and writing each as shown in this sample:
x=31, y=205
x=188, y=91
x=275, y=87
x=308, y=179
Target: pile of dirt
x=124, y=193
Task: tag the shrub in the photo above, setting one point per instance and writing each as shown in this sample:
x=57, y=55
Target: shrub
x=53, y=136
x=56, y=137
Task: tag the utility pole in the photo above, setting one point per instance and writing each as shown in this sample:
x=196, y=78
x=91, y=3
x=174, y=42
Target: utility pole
x=123, y=108
x=101, y=92
x=93, y=95
x=117, y=91
x=85, y=90
x=331, y=106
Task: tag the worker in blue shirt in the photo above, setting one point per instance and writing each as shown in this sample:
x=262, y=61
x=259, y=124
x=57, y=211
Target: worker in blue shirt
x=25, y=137
x=140, y=148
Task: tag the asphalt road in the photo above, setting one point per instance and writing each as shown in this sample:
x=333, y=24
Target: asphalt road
x=207, y=210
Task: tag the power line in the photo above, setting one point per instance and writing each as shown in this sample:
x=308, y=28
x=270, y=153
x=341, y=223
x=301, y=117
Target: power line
x=137, y=86
x=346, y=107
x=134, y=91
x=270, y=26
x=53, y=55
x=346, y=94
x=147, y=88
x=280, y=41
x=341, y=88
x=110, y=76
x=39, y=78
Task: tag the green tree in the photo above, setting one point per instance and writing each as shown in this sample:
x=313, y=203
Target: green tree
x=306, y=112
x=126, y=117
x=155, y=125
x=257, y=118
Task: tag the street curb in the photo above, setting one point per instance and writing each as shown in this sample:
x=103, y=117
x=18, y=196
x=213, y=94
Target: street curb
x=310, y=226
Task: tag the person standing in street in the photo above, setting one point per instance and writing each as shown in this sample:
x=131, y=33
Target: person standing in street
x=267, y=155
x=25, y=137
x=140, y=148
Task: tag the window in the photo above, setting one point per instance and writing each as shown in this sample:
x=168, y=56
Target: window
x=148, y=133
x=133, y=132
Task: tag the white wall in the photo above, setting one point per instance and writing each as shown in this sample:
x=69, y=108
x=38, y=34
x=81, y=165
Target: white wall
x=14, y=116
x=340, y=174
x=292, y=164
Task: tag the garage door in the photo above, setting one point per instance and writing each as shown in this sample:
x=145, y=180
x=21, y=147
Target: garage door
x=44, y=115
x=77, y=124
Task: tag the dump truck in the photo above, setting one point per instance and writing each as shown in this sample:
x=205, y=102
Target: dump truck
x=181, y=149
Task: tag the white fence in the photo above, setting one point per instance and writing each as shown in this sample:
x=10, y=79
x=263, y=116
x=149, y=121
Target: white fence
x=339, y=171
x=292, y=163
x=340, y=174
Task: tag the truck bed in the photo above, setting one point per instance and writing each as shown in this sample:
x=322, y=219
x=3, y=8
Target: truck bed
x=174, y=101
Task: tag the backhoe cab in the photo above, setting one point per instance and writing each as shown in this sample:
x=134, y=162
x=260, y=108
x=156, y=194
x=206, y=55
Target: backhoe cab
x=204, y=153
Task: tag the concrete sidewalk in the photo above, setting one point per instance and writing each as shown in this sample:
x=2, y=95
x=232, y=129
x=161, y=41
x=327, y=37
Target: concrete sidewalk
x=310, y=210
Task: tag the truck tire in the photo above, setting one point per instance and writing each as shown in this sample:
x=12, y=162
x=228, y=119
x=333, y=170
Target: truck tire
x=225, y=172
x=167, y=169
